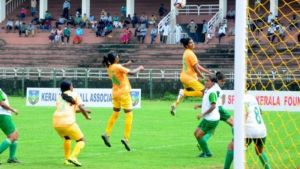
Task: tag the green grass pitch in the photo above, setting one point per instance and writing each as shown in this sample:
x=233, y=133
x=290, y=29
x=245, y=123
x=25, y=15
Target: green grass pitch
x=158, y=140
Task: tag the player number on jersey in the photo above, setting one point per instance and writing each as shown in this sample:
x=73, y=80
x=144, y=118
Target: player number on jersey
x=257, y=115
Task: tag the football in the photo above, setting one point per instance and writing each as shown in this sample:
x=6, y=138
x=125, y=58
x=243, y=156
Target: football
x=179, y=4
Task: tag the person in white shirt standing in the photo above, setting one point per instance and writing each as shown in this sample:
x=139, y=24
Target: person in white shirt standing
x=256, y=132
x=210, y=114
x=9, y=129
x=165, y=32
x=270, y=18
x=9, y=25
x=33, y=7
x=177, y=32
x=222, y=32
x=66, y=8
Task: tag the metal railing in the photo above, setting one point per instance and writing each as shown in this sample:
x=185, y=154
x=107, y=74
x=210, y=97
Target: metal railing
x=199, y=10
x=166, y=19
x=12, y=5
x=215, y=20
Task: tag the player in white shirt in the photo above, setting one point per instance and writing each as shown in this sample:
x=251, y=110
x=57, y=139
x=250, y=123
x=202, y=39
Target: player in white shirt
x=210, y=114
x=255, y=131
x=9, y=129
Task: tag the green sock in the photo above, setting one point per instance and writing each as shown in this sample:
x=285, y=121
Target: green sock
x=232, y=130
x=203, y=144
x=4, y=145
x=264, y=160
x=13, y=149
x=229, y=159
x=207, y=136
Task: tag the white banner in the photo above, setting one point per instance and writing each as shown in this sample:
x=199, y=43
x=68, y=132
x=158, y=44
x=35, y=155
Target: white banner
x=269, y=100
x=90, y=97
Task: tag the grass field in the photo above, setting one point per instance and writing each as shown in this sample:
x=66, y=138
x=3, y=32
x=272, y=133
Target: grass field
x=158, y=140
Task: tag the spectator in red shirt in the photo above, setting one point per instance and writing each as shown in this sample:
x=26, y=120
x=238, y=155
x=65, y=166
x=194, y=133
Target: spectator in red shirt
x=47, y=24
x=22, y=13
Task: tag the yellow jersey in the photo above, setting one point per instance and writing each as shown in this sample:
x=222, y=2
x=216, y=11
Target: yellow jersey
x=65, y=114
x=118, y=75
x=189, y=60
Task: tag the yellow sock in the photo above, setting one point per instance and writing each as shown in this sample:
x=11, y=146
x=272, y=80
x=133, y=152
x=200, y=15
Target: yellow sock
x=67, y=148
x=193, y=93
x=111, y=122
x=78, y=147
x=128, y=122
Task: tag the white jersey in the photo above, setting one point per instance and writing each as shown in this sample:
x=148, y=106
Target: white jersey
x=210, y=96
x=255, y=126
x=2, y=110
x=219, y=94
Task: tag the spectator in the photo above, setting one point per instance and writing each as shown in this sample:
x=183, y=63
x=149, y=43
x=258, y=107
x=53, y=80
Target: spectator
x=94, y=25
x=79, y=10
x=66, y=34
x=18, y=23
x=22, y=29
x=294, y=22
x=66, y=8
x=104, y=19
x=225, y=26
x=154, y=32
x=270, y=18
x=100, y=29
x=177, y=32
x=231, y=32
x=271, y=31
x=230, y=14
x=109, y=18
x=47, y=25
x=59, y=34
x=41, y=23
x=123, y=12
x=152, y=19
x=204, y=30
x=23, y=13
x=48, y=16
x=103, y=13
x=84, y=21
x=282, y=30
x=261, y=19
x=77, y=14
x=144, y=19
x=126, y=36
x=257, y=6
x=251, y=25
x=116, y=20
x=60, y=21
x=108, y=29
x=210, y=33
x=193, y=28
x=135, y=20
x=222, y=32
x=165, y=32
x=137, y=29
x=35, y=18
x=90, y=21
x=162, y=10
x=78, y=36
x=53, y=31
x=71, y=21
x=33, y=7
x=127, y=20
x=51, y=38
x=78, y=20
x=118, y=24
x=30, y=29
x=143, y=33
x=9, y=25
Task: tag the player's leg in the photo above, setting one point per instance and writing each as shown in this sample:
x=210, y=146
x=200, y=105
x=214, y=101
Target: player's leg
x=229, y=156
x=67, y=149
x=205, y=127
x=9, y=129
x=75, y=133
x=259, y=148
x=126, y=103
x=111, y=121
x=226, y=117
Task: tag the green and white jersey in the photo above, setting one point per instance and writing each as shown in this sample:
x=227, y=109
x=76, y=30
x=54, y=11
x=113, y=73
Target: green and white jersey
x=209, y=97
x=3, y=97
x=219, y=94
x=255, y=126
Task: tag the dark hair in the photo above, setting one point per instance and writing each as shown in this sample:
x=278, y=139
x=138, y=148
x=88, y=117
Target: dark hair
x=109, y=58
x=185, y=41
x=220, y=75
x=213, y=78
x=65, y=86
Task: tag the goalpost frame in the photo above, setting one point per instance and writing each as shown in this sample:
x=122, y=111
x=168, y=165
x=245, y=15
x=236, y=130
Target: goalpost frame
x=240, y=54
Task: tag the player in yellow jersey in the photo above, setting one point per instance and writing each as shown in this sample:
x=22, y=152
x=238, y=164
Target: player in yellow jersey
x=120, y=95
x=191, y=75
x=64, y=121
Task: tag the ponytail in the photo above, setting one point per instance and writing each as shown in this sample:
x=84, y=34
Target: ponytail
x=65, y=86
x=109, y=59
